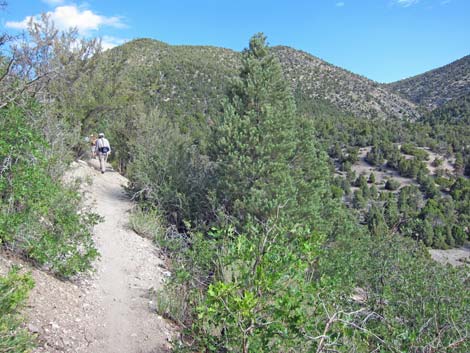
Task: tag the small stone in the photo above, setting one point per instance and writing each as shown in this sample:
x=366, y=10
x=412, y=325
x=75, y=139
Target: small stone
x=33, y=329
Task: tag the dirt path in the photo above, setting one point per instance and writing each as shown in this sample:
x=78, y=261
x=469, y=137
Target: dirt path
x=110, y=311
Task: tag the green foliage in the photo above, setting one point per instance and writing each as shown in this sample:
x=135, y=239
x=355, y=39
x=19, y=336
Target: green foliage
x=410, y=149
x=408, y=301
x=271, y=279
x=38, y=216
x=266, y=157
x=263, y=300
x=168, y=170
x=256, y=139
x=14, y=289
x=392, y=184
x=375, y=221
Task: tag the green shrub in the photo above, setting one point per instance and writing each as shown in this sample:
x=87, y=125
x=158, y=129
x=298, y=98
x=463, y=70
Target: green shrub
x=411, y=149
x=404, y=292
x=168, y=171
x=147, y=223
x=14, y=289
x=392, y=185
x=39, y=217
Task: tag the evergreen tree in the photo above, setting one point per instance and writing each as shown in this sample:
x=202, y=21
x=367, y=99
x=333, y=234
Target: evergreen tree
x=255, y=140
x=391, y=213
x=427, y=233
x=265, y=154
x=376, y=222
x=374, y=192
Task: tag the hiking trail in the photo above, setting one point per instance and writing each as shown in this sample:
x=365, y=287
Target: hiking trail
x=112, y=310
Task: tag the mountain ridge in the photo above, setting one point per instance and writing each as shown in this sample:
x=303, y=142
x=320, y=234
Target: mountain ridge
x=206, y=70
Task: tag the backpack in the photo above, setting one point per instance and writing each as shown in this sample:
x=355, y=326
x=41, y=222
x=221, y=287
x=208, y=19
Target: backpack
x=103, y=149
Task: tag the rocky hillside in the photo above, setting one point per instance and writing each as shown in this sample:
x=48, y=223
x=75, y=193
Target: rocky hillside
x=314, y=78
x=193, y=79
x=434, y=88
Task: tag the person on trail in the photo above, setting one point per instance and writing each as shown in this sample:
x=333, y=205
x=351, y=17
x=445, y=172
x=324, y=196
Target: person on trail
x=93, y=145
x=102, y=150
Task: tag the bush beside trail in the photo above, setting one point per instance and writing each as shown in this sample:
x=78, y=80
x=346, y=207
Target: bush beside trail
x=14, y=289
x=39, y=217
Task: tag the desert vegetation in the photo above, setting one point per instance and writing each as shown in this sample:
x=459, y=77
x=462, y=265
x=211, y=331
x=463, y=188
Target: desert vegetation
x=244, y=168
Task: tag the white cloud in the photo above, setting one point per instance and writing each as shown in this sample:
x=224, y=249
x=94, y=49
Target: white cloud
x=108, y=42
x=340, y=4
x=65, y=17
x=406, y=3
x=53, y=2
x=20, y=24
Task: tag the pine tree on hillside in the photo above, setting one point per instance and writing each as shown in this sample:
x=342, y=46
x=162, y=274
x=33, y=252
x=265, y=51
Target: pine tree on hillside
x=265, y=154
x=255, y=141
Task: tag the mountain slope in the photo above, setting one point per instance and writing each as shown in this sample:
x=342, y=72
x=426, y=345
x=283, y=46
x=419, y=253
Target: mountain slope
x=190, y=80
x=454, y=112
x=434, y=88
x=314, y=78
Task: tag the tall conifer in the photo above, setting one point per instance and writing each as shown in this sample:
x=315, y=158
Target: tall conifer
x=267, y=160
x=255, y=141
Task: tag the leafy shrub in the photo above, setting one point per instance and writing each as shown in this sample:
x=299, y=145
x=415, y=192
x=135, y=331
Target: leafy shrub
x=420, y=154
x=39, y=217
x=403, y=292
x=167, y=170
x=14, y=289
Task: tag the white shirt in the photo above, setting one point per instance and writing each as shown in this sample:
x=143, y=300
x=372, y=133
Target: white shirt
x=102, y=142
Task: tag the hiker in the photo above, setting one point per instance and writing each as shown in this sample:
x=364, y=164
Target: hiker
x=102, y=150
x=92, y=141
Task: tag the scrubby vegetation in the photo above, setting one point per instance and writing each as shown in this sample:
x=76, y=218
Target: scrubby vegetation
x=265, y=251
x=41, y=218
x=243, y=167
x=435, y=88
x=38, y=216
x=14, y=289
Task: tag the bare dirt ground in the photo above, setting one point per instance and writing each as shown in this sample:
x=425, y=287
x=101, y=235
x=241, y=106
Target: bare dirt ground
x=109, y=311
x=455, y=257
x=381, y=176
x=362, y=167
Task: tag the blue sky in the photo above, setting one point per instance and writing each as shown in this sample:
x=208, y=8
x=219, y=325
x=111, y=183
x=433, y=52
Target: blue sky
x=384, y=40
